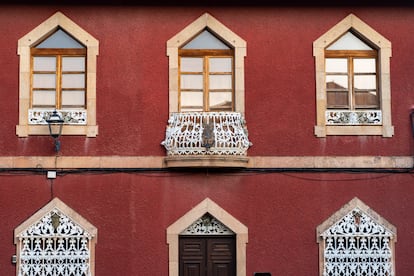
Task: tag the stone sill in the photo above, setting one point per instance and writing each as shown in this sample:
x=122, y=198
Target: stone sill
x=206, y=161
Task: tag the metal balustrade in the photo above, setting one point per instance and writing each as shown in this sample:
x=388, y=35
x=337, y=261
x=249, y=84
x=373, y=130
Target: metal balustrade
x=206, y=133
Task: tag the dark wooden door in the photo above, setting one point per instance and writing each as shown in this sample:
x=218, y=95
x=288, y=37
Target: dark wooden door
x=207, y=256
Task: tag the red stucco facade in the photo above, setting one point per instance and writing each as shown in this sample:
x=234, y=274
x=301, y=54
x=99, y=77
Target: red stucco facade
x=281, y=208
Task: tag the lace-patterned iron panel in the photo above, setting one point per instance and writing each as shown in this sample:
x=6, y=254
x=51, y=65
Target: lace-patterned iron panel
x=73, y=117
x=206, y=133
x=207, y=225
x=54, y=246
x=357, y=246
x=343, y=117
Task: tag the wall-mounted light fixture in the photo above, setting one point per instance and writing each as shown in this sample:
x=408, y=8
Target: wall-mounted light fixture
x=55, y=123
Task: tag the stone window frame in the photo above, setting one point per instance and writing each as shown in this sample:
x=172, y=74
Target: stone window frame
x=345, y=210
x=221, y=31
x=206, y=206
x=46, y=28
x=76, y=218
x=365, y=32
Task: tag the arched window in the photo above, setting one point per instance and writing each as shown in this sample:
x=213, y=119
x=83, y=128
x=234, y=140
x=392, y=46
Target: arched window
x=356, y=241
x=57, y=72
x=353, y=94
x=206, y=97
x=211, y=58
x=207, y=225
x=206, y=75
x=55, y=241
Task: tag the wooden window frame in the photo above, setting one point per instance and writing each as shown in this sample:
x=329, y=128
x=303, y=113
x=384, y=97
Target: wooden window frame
x=237, y=44
x=350, y=55
x=383, y=46
x=206, y=54
x=25, y=46
x=59, y=54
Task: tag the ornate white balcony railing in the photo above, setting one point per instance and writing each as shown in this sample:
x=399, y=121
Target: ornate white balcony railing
x=206, y=133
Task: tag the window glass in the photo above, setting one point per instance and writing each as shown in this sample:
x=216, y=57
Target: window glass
x=73, y=98
x=349, y=42
x=220, y=101
x=44, y=80
x=44, y=64
x=338, y=65
x=191, y=101
x=220, y=64
x=220, y=82
x=42, y=98
x=191, y=64
x=59, y=39
x=364, y=65
x=73, y=64
x=205, y=40
x=191, y=81
x=73, y=81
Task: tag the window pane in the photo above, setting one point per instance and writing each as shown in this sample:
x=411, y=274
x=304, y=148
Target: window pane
x=73, y=98
x=220, y=65
x=44, y=80
x=73, y=64
x=60, y=39
x=349, y=42
x=191, y=65
x=44, y=64
x=364, y=65
x=366, y=99
x=337, y=99
x=336, y=65
x=220, y=101
x=220, y=82
x=73, y=81
x=365, y=82
x=336, y=82
x=191, y=82
x=191, y=101
x=205, y=40
x=43, y=98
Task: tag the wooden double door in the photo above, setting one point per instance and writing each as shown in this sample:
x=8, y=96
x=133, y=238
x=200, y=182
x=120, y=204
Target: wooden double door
x=207, y=256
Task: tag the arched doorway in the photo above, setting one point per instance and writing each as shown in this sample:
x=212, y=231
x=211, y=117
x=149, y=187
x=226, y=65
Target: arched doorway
x=229, y=235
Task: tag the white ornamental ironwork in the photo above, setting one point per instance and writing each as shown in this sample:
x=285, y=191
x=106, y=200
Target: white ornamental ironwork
x=70, y=116
x=206, y=133
x=357, y=246
x=207, y=225
x=54, y=246
x=346, y=117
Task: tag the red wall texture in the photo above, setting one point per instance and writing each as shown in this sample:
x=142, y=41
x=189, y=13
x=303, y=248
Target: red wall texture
x=132, y=77
x=281, y=210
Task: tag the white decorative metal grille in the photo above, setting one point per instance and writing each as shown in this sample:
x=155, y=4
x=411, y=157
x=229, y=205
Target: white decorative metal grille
x=344, y=117
x=54, y=246
x=357, y=246
x=72, y=116
x=207, y=225
x=187, y=134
